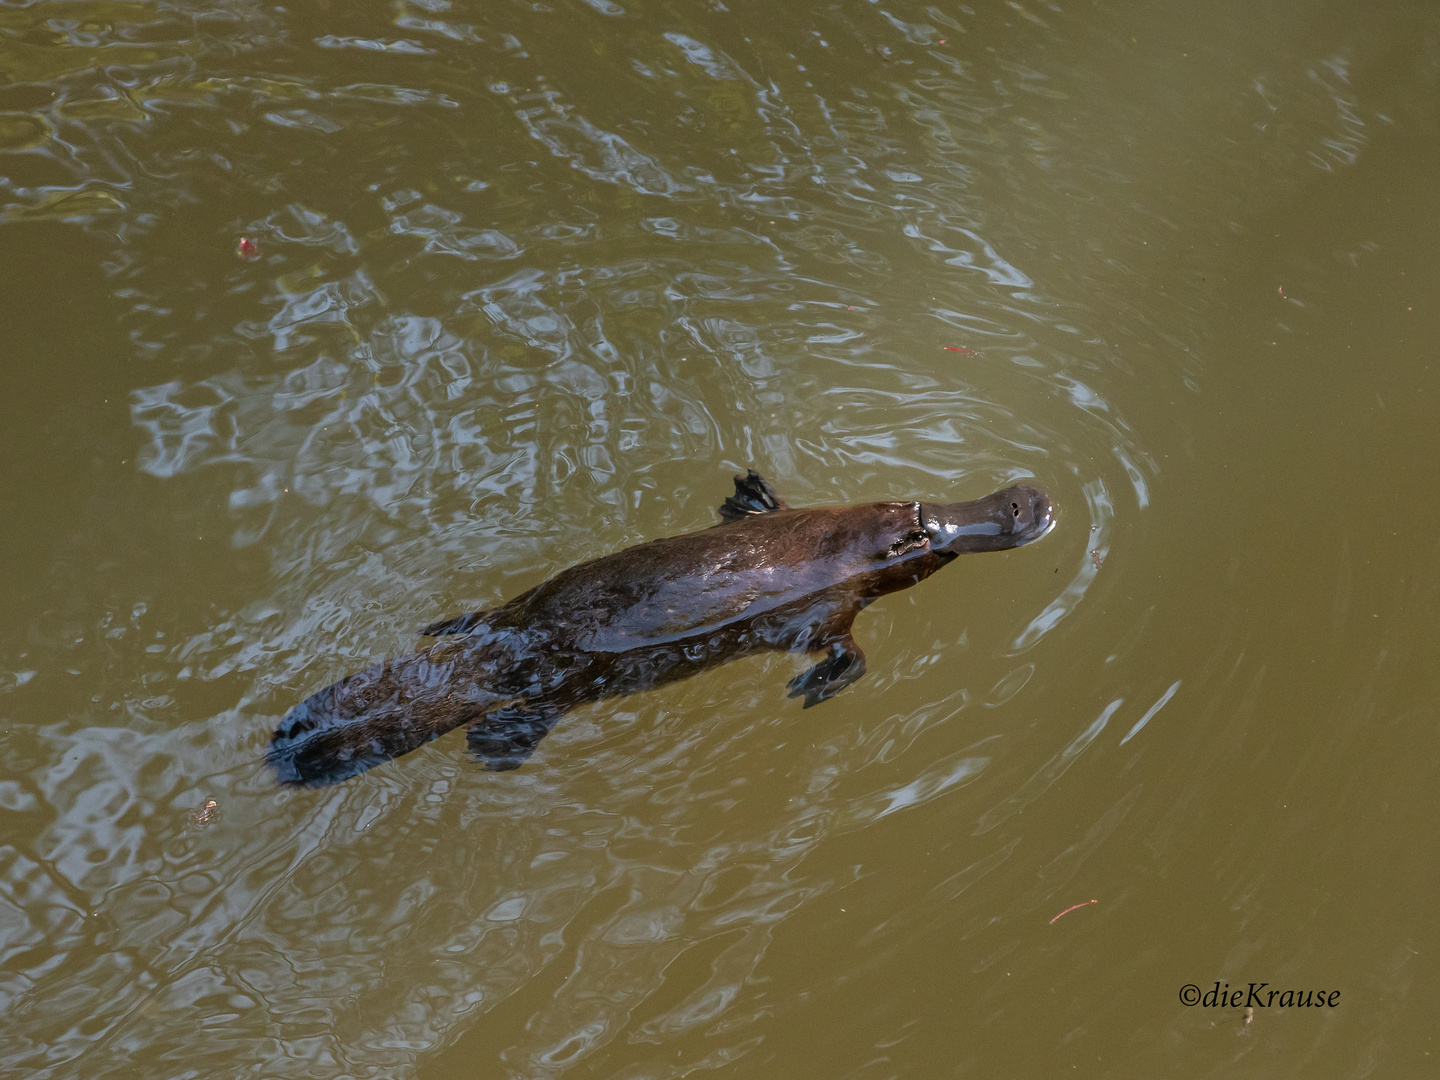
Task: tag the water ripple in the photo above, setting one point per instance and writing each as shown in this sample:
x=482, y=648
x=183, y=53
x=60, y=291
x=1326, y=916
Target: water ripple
x=502, y=320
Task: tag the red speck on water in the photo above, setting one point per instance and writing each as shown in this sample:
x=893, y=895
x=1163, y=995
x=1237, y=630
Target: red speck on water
x=247, y=249
x=957, y=348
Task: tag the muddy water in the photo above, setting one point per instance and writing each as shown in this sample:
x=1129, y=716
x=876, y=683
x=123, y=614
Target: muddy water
x=528, y=284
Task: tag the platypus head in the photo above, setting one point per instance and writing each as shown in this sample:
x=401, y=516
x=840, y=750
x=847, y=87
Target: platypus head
x=1010, y=517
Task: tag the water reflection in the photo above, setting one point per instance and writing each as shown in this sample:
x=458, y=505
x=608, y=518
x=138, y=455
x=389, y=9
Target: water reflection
x=434, y=379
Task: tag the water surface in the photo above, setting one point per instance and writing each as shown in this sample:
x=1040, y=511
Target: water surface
x=530, y=282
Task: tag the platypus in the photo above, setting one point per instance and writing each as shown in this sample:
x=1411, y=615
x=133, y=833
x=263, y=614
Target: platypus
x=767, y=578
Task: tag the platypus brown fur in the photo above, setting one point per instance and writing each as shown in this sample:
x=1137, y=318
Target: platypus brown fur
x=767, y=578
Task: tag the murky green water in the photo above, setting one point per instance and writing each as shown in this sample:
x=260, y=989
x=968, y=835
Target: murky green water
x=531, y=282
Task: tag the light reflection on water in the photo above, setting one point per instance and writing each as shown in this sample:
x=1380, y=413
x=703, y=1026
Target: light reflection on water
x=509, y=314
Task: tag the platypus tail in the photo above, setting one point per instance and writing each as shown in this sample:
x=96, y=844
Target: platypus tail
x=373, y=716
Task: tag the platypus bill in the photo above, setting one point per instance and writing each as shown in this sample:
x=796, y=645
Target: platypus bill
x=767, y=578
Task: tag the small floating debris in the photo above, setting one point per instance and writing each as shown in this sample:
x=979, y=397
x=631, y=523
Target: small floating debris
x=247, y=249
x=205, y=813
x=957, y=348
x=1071, y=908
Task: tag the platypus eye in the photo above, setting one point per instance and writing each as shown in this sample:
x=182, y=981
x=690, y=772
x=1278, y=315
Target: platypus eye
x=911, y=541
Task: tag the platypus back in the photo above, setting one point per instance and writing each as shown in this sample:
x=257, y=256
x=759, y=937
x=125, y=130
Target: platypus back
x=767, y=578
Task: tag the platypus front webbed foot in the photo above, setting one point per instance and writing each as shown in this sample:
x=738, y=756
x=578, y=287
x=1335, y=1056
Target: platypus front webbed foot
x=844, y=665
x=506, y=737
